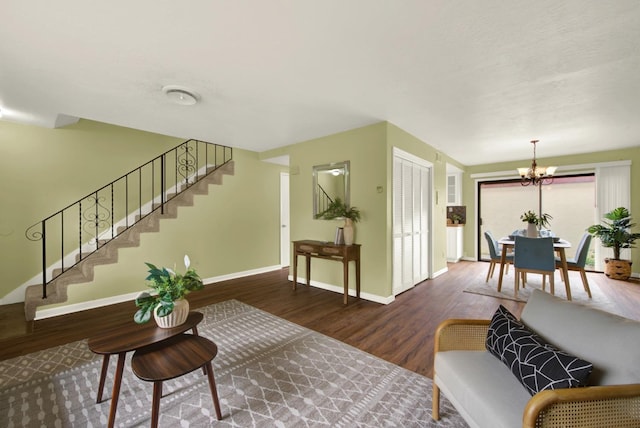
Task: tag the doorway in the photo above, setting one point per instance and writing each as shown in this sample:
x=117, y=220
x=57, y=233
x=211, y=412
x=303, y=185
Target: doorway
x=285, y=244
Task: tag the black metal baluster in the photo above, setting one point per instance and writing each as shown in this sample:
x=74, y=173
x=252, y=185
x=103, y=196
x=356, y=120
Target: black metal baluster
x=140, y=193
x=80, y=227
x=112, y=218
x=126, y=201
x=44, y=259
x=96, y=220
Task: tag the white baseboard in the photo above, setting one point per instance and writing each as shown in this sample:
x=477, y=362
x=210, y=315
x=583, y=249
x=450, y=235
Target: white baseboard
x=76, y=307
x=440, y=272
x=340, y=290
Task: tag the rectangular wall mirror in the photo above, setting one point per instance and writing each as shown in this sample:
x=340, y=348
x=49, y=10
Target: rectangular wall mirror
x=330, y=181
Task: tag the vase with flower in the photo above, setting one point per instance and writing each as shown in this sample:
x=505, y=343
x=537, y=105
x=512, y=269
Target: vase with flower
x=167, y=302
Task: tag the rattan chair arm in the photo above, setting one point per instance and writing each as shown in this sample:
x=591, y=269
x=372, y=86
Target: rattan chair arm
x=461, y=335
x=593, y=406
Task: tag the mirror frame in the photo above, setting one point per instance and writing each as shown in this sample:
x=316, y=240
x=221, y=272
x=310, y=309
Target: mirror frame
x=329, y=167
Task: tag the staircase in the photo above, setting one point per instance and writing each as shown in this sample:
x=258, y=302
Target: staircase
x=175, y=177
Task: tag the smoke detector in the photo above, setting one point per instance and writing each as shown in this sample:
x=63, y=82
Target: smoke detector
x=180, y=95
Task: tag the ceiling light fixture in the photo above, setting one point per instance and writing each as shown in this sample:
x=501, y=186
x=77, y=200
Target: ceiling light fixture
x=180, y=95
x=536, y=175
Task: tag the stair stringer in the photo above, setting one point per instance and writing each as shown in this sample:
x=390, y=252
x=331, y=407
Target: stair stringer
x=108, y=253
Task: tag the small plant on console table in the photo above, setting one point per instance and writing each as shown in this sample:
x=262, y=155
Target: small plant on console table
x=337, y=209
x=167, y=298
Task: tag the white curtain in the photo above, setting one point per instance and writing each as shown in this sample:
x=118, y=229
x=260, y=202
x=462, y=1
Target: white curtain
x=613, y=188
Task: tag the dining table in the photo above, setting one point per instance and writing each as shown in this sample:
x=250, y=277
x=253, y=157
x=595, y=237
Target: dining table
x=559, y=245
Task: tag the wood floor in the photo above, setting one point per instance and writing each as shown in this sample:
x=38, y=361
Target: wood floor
x=401, y=332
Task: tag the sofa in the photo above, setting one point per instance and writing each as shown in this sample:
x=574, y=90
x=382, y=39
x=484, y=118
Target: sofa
x=488, y=392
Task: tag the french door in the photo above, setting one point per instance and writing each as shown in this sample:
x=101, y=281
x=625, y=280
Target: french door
x=411, y=220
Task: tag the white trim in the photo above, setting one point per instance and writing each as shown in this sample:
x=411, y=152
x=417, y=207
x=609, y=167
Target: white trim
x=352, y=292
x=76, y=307
x=440, y=272
x=411, y=158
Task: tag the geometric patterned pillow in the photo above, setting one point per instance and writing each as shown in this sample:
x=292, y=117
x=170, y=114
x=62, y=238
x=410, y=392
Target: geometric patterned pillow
x=535, y=363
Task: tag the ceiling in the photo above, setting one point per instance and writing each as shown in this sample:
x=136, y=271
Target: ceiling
x=475, y=79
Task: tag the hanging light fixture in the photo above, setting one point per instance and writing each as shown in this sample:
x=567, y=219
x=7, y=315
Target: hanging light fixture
x=536, y=175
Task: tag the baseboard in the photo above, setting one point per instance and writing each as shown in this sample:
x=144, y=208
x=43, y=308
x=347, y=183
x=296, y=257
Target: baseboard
x=352, y=292
x=440, y=272
x=98, y=303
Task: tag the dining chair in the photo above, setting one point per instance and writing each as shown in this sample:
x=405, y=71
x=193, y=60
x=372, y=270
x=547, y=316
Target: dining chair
x=578, y=262
x=534, y=255
x=495, y=255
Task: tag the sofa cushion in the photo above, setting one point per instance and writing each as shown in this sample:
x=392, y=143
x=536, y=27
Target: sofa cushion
x=610, y=342
x=535, y=363
x=481, y=388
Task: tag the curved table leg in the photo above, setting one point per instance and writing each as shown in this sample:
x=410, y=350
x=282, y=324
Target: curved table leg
x=116, y=389
x=214, y=391
x=103, y=376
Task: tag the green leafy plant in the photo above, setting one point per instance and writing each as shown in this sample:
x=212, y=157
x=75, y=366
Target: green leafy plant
x=338, y=209
x=616, y=232
x=168, y=287
x=532, y=218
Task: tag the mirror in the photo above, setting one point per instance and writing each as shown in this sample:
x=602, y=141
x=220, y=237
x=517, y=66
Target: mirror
x=330, y=181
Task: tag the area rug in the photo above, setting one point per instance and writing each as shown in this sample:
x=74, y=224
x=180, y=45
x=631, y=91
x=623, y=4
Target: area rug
x=269, y=372
x=598, y=300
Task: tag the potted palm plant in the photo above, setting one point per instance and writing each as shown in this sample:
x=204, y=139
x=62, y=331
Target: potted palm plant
x=337, y=209
x=167, y=303
x=615, y=232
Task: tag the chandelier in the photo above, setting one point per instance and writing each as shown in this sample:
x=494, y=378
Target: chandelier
x=536, y=175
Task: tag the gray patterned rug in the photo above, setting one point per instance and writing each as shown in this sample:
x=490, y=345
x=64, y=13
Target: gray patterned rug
x=269, y=372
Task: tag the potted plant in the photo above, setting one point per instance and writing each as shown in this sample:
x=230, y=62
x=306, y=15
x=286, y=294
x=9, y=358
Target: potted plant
x=457, y=218
x=534, y=222
x=168, y=296
x=615, y=232
x=337, y=209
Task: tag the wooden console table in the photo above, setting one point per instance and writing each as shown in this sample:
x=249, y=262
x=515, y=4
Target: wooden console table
x=328, y=251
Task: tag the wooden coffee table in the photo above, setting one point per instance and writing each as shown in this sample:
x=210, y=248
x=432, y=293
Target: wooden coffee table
x=127, y=338
x=173, y=358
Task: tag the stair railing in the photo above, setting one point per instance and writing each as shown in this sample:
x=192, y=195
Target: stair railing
x=81, y=228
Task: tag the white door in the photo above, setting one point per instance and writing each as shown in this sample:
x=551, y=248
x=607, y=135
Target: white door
x=411, y=220
x=285, y=244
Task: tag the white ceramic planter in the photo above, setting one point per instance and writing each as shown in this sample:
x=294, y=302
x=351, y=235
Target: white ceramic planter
x=176, y=317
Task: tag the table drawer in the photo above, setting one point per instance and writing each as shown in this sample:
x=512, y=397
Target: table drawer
x=331, y=251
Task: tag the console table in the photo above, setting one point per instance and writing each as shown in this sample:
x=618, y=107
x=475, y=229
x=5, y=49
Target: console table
x=328, y=251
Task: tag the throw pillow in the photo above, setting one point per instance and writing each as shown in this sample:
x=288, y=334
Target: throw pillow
x=535, y=363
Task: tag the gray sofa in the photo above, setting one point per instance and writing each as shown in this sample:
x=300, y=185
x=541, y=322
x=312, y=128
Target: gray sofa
x=487, y=394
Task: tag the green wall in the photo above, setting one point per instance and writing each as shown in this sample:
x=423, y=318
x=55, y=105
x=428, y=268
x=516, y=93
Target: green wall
x=43, y=170
x=369, y=150
x=469, y=187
